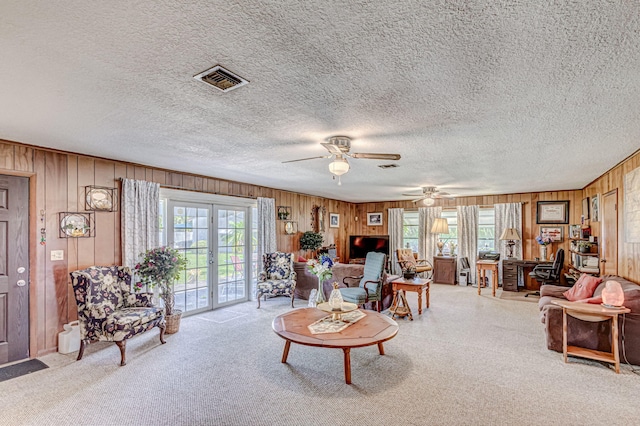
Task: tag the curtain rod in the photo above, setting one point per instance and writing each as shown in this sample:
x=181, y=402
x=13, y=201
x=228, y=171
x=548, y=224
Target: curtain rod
x=182, y=188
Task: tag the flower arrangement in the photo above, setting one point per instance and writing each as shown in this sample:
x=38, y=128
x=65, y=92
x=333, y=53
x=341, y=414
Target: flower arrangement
x=321, y=267
x=160, y=267
x=543, y=241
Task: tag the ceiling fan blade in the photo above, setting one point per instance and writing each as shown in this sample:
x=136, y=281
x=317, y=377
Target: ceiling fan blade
x=418, y=199
x=305, y=159
x=375, y=156
x=334, y=149
x=410, y=195
x=441, y=194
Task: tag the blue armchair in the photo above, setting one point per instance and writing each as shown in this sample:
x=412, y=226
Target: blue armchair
x=109, y=311
x=370, y=285
x=278, y=277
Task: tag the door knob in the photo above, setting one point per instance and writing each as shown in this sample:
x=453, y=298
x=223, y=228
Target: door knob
x=21, y=283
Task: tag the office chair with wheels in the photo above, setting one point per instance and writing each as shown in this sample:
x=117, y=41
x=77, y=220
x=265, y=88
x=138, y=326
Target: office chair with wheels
x=548, y=273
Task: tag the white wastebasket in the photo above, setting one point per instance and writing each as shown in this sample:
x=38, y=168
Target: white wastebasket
x=69, y=339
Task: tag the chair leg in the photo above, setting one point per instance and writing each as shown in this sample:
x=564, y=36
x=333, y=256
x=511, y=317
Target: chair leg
x=122, y=344
x=259, y=296
x=378, y=303
x=292, y=297
x=162, y=328
x=81, y=352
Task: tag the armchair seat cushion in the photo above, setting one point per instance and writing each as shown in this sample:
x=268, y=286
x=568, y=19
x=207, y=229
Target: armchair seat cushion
x=276, y=286
x=356, y=295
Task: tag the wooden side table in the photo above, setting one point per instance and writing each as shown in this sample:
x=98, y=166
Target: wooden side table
x=593, y=313
x=400, y=306
x=484, y=266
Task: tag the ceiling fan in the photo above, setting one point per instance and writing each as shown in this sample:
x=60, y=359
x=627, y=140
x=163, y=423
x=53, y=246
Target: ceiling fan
x=429, y=195
x=339, y=147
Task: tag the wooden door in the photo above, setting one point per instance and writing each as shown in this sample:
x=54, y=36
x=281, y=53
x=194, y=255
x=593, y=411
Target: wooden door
x=609, y=238
x=14, y=268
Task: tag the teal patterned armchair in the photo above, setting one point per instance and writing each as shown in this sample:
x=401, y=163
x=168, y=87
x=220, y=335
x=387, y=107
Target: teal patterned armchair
x=109, y=311
x=278, y=277
x=370, y=285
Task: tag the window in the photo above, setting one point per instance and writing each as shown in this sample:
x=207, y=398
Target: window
x=410, y=230
x=452, y=236
x=486, y=229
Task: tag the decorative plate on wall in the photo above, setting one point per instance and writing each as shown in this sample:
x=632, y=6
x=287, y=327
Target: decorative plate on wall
x=76, y=224
x=100, y=198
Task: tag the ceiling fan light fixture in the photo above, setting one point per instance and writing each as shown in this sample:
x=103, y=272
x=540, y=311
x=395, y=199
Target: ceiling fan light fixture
x=428, y=202
x=339, y=166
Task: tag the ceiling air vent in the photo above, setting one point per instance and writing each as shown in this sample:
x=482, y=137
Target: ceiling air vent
x=388, y=166
x=221, y=79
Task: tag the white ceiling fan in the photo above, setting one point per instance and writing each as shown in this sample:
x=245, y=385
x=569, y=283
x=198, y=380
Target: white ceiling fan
x=429, y=195
x=339, y=147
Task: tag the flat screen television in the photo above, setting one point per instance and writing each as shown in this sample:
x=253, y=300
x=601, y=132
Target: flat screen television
x=360, y=245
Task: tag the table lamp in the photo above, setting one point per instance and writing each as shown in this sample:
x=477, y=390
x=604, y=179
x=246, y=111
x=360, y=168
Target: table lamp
x=511, y=236
x=440, y=226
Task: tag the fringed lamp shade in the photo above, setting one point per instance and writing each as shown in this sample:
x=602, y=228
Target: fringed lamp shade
x=612, y=295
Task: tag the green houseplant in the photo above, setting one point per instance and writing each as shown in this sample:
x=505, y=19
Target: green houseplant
x=310, y=240
x=160, y=267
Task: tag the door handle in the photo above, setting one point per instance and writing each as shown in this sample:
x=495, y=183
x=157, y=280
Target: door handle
x=21, y=283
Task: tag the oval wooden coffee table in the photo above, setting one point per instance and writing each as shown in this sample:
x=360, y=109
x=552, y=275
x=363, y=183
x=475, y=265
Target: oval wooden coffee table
x=373, y=329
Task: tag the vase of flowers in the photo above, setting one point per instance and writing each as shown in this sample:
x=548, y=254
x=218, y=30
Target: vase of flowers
x=544, y=242
x=321, y=268
x=159, y=268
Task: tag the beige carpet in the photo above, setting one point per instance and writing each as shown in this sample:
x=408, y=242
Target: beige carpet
x=519, y=296
x=469, y=359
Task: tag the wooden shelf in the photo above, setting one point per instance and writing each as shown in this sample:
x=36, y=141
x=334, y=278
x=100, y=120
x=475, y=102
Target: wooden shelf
x=583, y=254
x=590, y=353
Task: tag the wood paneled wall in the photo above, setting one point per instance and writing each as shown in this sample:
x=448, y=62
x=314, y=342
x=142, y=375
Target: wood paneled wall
x=59, y=181
x=529, y=227
x=57, y=184
x=628, y=254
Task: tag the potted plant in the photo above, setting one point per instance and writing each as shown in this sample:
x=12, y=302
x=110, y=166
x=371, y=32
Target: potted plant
x=584, y=246
x=160, y=267
x=310, y=241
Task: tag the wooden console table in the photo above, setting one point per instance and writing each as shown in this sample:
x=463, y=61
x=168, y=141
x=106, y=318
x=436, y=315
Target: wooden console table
x=484, y=266
x=593, y=313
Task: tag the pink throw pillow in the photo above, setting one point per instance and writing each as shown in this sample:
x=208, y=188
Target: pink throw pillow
x=583, y=288
x=592, y=300
x=302, y=259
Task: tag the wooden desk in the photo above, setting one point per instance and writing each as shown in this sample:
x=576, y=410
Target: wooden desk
x=593, y=313
x=515, y=274
x=400, y=306
x=484, y=266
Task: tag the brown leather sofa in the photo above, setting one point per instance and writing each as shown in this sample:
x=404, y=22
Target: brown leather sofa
x=306, y=281
x=593, y=335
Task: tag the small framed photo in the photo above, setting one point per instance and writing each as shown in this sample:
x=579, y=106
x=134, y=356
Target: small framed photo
x=575, y=231
x=595, y=208
x=585, y=208
x=374, y=219
x=334, y=220
x=553, y=232
x=552, y=212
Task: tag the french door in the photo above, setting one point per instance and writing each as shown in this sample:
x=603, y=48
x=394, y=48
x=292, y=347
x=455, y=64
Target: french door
x=216, y=241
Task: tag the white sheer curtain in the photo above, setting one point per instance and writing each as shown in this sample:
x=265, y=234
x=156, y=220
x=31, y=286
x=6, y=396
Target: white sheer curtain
x=508, y=215
x=395, y=237
x=139, y=228
x=427, y=242
x=468, y=238
x=267, y=242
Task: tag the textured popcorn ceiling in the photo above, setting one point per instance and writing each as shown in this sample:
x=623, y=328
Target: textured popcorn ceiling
x=479, y=97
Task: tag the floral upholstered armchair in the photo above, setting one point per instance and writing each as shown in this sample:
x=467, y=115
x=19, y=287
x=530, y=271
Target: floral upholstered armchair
x=278, y=277
x=108, y=310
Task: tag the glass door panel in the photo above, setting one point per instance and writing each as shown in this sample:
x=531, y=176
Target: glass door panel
x=232, y=259
x=189, y=234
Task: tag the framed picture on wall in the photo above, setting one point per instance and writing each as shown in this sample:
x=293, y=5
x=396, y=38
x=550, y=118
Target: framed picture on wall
x=574, y=231
x=553, y=232
x=585, y=208
x=374, y=219
x=334, y=220
x=595, y=208
x=552, y=212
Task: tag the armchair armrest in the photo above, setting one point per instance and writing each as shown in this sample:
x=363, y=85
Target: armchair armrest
x=351, y=278
x=138, y=300
x=262, y=276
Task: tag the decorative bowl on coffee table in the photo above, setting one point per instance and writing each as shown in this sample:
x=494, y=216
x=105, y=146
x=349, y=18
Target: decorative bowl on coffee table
x=337, y=314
